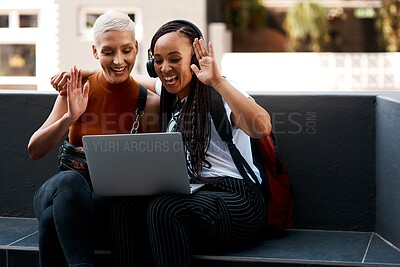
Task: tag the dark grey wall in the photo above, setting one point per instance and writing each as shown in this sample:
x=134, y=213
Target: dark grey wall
x=328, y=144
x=388, y=169
x=327, y=141
x=20, y=116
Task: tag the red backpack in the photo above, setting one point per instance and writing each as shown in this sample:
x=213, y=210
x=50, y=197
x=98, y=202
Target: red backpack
x=276, y=184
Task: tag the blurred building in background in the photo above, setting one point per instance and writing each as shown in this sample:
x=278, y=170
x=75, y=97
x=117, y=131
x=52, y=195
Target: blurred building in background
x=320, y=25
x=40, y=38
x=264, y=44
x=306, y=45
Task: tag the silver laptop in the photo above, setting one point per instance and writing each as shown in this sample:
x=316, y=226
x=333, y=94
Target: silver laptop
x=137, y=164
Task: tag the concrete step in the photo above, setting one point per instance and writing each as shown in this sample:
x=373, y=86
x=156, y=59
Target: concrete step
x=19, y=248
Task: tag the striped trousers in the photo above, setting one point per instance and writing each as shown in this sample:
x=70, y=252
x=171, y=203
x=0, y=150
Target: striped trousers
x=166, y=230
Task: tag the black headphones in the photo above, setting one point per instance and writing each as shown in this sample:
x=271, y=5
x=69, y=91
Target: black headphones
x=150, y=63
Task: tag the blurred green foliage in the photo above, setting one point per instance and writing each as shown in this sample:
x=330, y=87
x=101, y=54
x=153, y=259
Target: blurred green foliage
x=244, y=14
x=307, y=27
x=388, y=25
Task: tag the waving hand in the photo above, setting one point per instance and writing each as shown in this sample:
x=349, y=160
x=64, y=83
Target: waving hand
x=77, y=98
x=208, y=73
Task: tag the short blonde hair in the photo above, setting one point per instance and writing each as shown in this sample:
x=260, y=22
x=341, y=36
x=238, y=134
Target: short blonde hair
x=112, y=21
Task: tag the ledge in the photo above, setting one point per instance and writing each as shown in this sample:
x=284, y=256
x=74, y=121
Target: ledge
x=311, y=247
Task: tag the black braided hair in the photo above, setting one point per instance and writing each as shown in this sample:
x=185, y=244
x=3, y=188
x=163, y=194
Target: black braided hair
x=194, y=121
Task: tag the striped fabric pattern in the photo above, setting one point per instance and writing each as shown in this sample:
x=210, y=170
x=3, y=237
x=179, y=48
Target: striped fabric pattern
x=229, y=212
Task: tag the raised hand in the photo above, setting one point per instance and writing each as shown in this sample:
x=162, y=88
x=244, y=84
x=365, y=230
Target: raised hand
x=77, y=97
x=208, y=73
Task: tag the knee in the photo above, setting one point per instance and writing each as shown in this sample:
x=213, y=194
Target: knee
x=71, y=188
x=163, y=207
x=72, y=181
x=154, y=206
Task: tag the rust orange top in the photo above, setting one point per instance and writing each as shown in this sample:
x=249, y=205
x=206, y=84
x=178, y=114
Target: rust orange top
x=110, y=110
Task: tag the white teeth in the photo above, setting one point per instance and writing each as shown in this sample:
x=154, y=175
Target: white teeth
x=118, y=69
x=169, y=78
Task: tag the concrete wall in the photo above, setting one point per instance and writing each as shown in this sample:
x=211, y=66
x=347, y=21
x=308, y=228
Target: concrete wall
x=328, y=144
x=388, y=168
x=20, y=115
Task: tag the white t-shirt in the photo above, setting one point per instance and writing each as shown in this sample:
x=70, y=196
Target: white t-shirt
x=218, y=153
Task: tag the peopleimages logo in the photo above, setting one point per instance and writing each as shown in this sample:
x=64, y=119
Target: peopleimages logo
x=282, y=122
x=289, y=122
x=294, y=122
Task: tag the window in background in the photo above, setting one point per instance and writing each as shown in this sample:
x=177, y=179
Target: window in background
x=17, y=60
x=88, y=16
x=18, y=48
x=28, y=21
x=91, y=18
x=4, y=21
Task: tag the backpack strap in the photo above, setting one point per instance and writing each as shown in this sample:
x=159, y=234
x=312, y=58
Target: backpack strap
x=223, y=127
x=279, y=167
x=142, y=97
x=139, y=108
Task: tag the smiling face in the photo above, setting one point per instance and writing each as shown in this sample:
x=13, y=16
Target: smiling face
x=172, y=58
x=116, y=51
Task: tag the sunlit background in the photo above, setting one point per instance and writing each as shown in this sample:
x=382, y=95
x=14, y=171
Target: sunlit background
x=270, y=45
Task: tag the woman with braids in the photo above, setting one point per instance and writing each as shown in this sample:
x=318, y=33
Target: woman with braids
x=226, y=211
